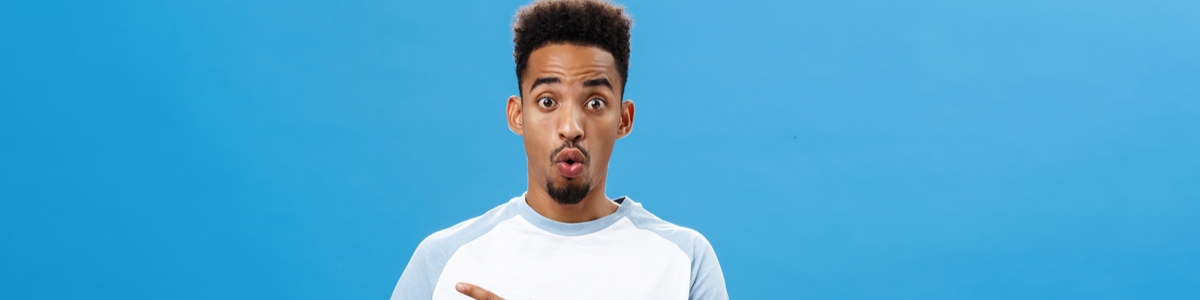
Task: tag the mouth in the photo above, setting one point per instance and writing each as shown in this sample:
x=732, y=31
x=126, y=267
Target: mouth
x=570, y=163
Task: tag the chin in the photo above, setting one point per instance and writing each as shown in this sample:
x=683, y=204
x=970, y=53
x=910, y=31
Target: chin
x=571, y=191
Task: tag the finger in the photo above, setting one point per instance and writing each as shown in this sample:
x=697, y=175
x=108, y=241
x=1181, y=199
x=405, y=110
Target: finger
x=475, y=292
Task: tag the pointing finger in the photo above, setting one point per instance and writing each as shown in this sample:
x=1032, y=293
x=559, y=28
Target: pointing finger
x=475, y=292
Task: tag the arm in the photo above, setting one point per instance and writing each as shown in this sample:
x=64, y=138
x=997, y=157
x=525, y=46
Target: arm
x=708, y=282
x=417, y=280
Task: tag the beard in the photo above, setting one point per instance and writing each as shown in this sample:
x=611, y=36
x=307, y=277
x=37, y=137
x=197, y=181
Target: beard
x=568, y=194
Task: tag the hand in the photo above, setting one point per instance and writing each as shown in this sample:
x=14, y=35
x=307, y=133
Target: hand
x=475, y=292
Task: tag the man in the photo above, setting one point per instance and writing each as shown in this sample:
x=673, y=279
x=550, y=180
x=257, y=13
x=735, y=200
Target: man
x=564, y=238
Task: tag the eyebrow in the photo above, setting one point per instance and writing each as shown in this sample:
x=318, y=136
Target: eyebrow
x=598, y=82
x=586, y=83
x=543, y=80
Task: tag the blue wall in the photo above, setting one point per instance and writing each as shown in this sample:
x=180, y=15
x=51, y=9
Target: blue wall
x=828, y=149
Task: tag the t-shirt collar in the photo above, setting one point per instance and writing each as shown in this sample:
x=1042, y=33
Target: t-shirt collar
x=571, y=229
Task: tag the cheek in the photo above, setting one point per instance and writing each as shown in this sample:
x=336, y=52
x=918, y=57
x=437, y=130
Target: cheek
x=538, y=147
x=607, y=128
x=538, y=126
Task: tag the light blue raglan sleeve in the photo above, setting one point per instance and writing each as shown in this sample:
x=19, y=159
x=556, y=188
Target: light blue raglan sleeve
x=708, y=283
x=427, y=262
x=418, y=280
x=422, y=272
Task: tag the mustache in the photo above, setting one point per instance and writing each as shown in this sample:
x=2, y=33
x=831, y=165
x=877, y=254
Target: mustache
x=569, y=144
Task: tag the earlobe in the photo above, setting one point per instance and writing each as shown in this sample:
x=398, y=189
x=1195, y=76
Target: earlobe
x=513, y=115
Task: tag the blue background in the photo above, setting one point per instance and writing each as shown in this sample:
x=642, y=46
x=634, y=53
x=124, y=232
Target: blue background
x=827, y=149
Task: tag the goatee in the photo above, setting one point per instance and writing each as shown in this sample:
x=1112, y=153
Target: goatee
x=569, y=194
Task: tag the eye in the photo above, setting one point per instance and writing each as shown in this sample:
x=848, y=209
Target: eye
x=596, y=104
x=545, y=102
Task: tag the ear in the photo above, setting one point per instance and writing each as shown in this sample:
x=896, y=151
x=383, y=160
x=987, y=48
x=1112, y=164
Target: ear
x=626, y=125
x=514, y=115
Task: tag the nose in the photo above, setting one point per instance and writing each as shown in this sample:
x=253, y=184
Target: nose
x=570, y=125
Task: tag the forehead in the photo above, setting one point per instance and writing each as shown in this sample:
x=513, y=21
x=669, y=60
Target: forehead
x=570, y=62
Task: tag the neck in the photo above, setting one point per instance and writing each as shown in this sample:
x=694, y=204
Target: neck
x=594, y=206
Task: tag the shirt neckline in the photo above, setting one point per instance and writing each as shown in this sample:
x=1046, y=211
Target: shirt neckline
x=572, y=229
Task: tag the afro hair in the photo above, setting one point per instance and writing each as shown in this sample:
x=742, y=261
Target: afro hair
x=596, y=23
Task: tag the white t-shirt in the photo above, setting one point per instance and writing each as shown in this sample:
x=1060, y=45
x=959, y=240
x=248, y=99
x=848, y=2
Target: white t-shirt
x=517, y=253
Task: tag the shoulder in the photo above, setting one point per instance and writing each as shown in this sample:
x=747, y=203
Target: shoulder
x=431, y=255
x=446, y=241
x=707, y=280
x=689, y=240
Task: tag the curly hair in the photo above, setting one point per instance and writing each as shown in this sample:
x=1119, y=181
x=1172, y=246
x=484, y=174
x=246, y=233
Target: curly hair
x=596, y=23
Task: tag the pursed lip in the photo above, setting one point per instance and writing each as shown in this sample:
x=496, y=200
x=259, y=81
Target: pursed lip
x=570, y=155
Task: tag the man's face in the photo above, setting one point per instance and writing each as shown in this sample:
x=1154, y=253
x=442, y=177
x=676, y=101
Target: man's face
x=570, y=114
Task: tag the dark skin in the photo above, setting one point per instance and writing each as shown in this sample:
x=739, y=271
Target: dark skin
x=569, y=93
